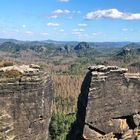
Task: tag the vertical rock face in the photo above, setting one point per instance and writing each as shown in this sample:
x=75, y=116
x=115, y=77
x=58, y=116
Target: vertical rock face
x=108, y=106
x=25, y=107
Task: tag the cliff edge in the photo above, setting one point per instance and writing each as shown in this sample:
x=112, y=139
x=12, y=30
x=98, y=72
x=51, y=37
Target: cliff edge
x=108, y=106
x=25, y=103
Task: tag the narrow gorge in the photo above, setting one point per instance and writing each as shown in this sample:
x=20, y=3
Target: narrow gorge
x=108, y=106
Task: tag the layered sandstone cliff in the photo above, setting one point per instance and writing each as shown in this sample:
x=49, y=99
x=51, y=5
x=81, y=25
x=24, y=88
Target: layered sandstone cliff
x=25, y=104
x=108, y=106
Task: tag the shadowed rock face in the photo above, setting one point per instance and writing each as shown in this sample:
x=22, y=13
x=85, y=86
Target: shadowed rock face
x=108, y=106
x=25, y=107
x=82, y=46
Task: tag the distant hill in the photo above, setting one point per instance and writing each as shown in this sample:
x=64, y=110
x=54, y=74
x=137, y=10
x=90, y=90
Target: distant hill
x=38, y=47
x=10, y=47
x=9, y=40
x=130, y=49
x=133, y=46
x=125, y=52
x=108, y=44
x=82, y=46
x=64, y=48
x=73, y=43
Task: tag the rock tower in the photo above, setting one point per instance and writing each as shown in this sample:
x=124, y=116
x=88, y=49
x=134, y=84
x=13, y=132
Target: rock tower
x=108, y=106
x=25, y=103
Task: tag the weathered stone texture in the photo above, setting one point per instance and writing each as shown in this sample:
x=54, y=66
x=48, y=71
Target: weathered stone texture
x=108, y=106
x=25, y=107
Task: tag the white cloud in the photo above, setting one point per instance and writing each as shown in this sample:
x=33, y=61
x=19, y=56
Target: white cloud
x=82, y=25
x=23, y=26
x=63, y=0
x=29, y=32
x=61, y=30
x=97, y=33
x=76, y=12
x=113, y=14
x=78, y=30
x=45, y=33
x=54, y=16
x=124, y=29
x=53, y=24
x=60, y=11
x=76, y=33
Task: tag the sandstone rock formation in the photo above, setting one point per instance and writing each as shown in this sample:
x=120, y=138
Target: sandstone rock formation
x=108, y=106
x=25, y=105
x=82, y=46
x=24, y=69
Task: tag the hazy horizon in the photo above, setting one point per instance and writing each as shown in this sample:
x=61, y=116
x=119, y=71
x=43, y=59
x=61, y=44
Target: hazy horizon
x=69, y=40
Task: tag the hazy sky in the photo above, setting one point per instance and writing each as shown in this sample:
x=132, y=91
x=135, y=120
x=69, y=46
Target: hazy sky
x=81, y=20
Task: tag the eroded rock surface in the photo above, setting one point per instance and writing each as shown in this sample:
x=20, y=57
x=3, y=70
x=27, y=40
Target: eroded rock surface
x=108, y=106
x=25, y=105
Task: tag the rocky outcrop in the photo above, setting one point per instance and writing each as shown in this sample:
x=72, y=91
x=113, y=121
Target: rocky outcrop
x=25, y=105
x=82, y=46
x=125, y=52
x=129, y=50
x=108, y=106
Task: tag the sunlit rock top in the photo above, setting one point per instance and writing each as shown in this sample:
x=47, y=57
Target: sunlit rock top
x=103, y=68
x=23, y=69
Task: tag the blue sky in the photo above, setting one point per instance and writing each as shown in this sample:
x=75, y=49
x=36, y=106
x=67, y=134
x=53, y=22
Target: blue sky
x=70, y=20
